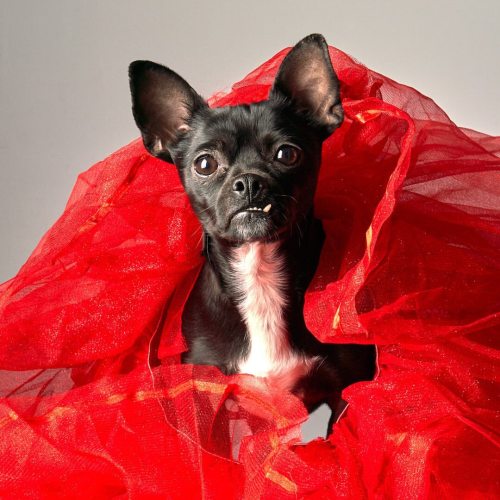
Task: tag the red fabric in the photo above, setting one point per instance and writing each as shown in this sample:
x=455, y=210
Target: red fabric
x=410, y=203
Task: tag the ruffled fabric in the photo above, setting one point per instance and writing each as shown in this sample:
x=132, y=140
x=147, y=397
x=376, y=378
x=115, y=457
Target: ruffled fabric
x=94, y=402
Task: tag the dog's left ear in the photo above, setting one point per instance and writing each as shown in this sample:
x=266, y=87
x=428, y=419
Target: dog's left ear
x=306, y=78
x=163, y=104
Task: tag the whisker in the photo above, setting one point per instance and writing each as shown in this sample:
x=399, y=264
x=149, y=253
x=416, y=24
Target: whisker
x=300, y=231
x=208, y=208
x=288, y=196
x=194, y=234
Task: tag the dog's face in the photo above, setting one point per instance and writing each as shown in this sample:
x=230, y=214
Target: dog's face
x=250, y=171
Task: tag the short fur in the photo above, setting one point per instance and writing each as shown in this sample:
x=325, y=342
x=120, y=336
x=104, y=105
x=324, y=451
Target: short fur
x=250, y=172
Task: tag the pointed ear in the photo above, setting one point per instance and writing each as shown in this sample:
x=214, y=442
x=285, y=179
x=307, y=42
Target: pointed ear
x=306, y=78
x=163, y=104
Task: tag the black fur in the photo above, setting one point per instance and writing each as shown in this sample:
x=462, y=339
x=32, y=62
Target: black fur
x=303, y=109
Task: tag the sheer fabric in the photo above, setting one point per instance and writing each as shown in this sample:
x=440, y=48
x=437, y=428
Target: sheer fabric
x=94, y=402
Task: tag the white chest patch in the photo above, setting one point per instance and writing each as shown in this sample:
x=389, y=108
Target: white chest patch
x=260, y=281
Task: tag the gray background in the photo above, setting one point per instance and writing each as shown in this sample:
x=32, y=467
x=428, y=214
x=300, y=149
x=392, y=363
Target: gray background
x=64, y=101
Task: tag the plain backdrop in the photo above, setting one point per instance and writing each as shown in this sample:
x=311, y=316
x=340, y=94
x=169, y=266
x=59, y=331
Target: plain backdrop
x=64, y=97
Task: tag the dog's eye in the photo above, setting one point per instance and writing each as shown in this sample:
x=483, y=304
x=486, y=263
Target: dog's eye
x=206, y=165
x=288, y=155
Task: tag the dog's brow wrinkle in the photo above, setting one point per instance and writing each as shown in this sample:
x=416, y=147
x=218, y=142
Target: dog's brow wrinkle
x=217, y=144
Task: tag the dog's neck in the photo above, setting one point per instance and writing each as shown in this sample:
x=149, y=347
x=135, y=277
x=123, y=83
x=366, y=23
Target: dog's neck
x=293, y=259
x=266, y=282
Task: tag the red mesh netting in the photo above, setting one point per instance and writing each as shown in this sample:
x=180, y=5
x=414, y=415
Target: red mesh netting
x=410, y=204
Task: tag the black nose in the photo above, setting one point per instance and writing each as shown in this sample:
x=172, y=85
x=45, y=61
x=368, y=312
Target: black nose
x=248, y=185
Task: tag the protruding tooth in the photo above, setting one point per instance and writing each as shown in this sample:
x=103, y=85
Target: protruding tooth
x=267, y=208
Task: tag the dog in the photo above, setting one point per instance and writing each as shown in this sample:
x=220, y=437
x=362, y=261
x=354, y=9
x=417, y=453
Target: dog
x=250, y=172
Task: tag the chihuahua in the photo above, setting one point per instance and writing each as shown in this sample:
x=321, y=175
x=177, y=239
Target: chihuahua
x=250, y=172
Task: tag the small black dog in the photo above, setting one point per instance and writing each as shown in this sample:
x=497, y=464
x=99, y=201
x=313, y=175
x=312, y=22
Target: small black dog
x=250, y=172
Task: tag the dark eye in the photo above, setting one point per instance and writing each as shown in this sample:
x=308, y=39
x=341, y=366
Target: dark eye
x=288, y=155
x=206, y=165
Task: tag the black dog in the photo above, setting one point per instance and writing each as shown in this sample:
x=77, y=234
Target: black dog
x=250, y=172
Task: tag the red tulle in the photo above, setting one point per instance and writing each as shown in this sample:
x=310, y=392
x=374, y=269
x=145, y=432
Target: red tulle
x=410, y=204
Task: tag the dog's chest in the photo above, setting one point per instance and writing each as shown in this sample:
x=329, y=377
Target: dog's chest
x=260, y=283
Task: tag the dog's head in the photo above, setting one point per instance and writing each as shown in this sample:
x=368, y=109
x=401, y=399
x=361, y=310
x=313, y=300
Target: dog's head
x=250, y=171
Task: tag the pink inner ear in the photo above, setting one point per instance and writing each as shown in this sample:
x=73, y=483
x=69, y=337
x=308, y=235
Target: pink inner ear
x=164, y=105
x=309, y=79
x=167, y=121
x=315, y=94
x=170, y=115
x=314, y=76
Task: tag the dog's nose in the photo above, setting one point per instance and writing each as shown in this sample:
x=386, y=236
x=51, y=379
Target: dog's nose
x=248, y=185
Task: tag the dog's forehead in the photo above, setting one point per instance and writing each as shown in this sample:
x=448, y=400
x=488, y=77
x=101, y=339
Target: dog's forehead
x=239, y=124
x=262, y=114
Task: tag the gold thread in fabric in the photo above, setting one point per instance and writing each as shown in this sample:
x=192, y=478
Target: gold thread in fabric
x=57, y=412
x=281, y=421
x=115, y=398
x=10, y=417
x=173, y=392
x=210, y=387
x=336, y=319
x=281, y=480
x=272, y=474
x=369, y=236
x=200, y=385
x=366, y=116
x=144, y=395
x=275, y=440
x=275, y=447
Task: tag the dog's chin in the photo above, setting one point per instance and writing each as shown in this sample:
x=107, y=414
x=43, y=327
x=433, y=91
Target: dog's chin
x=248, y=227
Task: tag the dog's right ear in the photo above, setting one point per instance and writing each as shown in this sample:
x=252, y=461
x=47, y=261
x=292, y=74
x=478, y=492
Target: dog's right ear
x=163, y=104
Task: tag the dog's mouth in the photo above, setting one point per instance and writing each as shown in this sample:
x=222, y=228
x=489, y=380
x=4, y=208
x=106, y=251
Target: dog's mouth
x=255, y=210
x=258, y=222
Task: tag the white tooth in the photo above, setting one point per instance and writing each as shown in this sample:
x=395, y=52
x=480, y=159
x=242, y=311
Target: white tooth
x=267, y=208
